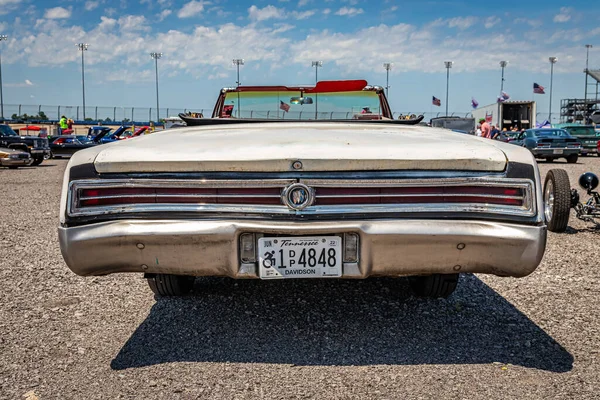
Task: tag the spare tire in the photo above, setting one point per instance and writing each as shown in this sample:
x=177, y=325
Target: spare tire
x=557, y=200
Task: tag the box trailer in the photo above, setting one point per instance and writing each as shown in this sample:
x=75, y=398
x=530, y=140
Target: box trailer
x=508, y=114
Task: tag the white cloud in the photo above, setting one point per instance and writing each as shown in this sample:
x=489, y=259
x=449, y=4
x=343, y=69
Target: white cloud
x=164, y=14
x=302, y=14
x=327, y=11
x=57, y=13
x=490, y=22
x=564, y=15
x=91, y=5
x=462, y=22
x=191, y=9
x=302, y=3
x=129, y=23
x=262, y=14
x=25, y=83
x=110, y=11
x=7, y=6
x=349, y=11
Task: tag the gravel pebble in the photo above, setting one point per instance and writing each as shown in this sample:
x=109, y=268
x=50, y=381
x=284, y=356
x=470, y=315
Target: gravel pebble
x=68, y=337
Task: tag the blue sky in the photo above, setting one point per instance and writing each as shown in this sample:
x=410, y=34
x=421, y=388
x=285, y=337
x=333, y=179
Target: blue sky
x=279, y=39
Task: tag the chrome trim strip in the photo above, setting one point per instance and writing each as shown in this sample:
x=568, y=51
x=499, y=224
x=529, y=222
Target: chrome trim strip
x=491, y=196
x=528, y=209
x=191, y=196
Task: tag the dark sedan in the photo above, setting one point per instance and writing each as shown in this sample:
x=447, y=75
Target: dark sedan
x=550, y=144
x=66, y=145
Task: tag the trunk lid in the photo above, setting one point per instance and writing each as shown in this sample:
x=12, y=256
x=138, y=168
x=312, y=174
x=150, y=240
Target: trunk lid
x=273, y=147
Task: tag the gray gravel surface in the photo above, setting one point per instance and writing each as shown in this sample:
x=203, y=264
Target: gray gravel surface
x=68, y=337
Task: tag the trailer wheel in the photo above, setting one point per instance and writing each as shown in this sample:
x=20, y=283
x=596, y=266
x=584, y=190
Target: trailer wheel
x=557, y=200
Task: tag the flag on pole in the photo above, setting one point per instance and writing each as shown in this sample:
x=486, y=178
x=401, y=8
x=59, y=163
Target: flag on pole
x=500, y=99
x=474, y=103
x=539, y=89
x=504, y=95
x=436, y=102
x=285, y=107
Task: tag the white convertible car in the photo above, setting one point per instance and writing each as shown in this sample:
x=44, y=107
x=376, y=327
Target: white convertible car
x=303, y=182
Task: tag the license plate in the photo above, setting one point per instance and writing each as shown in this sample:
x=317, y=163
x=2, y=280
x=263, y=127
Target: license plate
x=558, y=151
x=300, y=257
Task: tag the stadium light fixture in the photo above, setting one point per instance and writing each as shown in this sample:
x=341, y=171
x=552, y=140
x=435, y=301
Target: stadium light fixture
x=156, y=57
x=388, y=66
x=553, y=61
x=2, y=38
x=82, y=47
x=448, y=65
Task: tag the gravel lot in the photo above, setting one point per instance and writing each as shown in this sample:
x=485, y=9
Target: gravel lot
x=67, y=337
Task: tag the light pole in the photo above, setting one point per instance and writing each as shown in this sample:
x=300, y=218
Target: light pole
x=83, y=47
x=587, y=57
x=388, y=67
x=448, y=66
x=237, y=62
x=156, y=57
x=316, y=64
x=553, y=61
x=2, y=37
x=503, y=64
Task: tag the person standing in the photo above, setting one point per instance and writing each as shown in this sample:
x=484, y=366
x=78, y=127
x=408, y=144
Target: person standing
x=485, y=128
x=63, y=124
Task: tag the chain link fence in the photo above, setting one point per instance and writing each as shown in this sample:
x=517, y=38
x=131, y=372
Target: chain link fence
x=145, y=115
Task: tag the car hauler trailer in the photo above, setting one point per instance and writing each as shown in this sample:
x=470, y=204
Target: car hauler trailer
x=509, y=114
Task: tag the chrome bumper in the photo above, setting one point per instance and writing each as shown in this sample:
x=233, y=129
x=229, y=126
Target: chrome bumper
x=387, y=247
x=549, y=152
x=15, y=162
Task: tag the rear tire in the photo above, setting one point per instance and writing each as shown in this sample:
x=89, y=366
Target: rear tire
x=434, y=286
x=37, y=161
x=557, y=200
x=12, y=167
x=170, y=285
x=549, y=159
x=572, y=159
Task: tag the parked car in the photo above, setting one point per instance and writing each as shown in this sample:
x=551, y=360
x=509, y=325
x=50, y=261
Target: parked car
x=550, y=143
x=586, y=134
x=37, y=147
x=272, y=191
x=13, y=158
x=66, y=145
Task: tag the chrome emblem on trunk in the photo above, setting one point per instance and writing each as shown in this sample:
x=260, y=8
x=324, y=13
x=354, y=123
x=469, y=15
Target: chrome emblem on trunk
x=297, y=196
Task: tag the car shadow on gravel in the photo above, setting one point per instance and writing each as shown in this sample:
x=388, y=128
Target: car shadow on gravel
x=339, y=322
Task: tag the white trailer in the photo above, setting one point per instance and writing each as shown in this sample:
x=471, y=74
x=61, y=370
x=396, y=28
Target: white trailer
x=508, y=114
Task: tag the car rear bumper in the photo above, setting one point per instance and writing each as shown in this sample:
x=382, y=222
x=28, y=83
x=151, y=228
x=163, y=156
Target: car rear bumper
x=565, y=152
x=387, y=247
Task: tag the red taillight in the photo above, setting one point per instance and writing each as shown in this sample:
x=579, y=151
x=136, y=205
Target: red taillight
x=416, y=195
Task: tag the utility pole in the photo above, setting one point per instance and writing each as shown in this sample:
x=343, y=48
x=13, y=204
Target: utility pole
x=587, y=57
x=448, y=66
x=82, y=47
x=317, y=64
x=553, y=61
x=237, y=62
x=156, y=57
x=388, y=67
x=2, y=38
x=503, y=65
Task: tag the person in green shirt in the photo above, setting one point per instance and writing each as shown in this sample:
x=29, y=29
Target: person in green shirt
x=63, y=124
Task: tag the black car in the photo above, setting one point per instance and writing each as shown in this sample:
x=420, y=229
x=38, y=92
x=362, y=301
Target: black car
x=37, y=147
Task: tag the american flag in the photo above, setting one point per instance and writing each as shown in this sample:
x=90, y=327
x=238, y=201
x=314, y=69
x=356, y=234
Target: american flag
x=436, y=102
x=504, y=95
x=539, y=89
x=285, y=107
x=474, y=103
